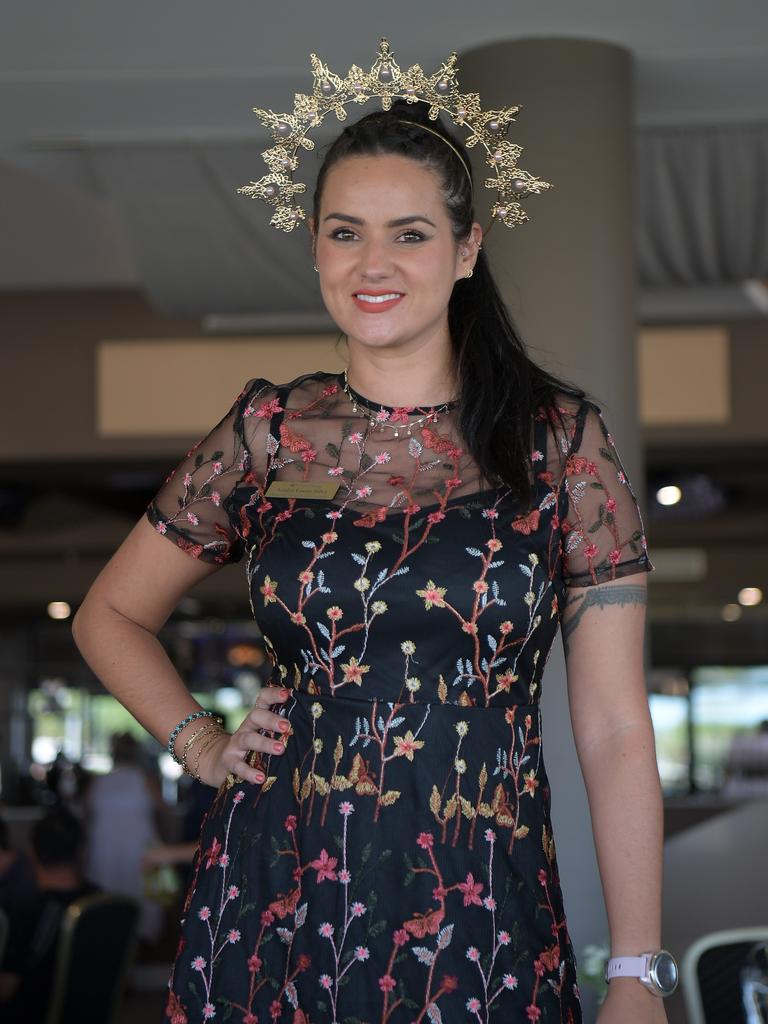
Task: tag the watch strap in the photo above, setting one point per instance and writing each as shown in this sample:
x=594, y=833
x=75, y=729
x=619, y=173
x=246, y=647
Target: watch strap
x=626, y=967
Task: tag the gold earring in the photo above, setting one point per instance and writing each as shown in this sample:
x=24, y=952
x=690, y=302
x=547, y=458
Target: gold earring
x=469, y=273
x=315, y=266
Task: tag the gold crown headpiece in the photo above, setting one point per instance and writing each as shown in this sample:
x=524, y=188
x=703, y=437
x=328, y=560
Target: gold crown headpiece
x=385, y=80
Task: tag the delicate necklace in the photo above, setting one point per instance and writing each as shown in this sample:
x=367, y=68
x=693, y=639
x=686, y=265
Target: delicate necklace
x=393, y=416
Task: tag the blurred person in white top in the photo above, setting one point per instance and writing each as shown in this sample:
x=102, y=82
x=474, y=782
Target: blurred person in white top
x=121, y=809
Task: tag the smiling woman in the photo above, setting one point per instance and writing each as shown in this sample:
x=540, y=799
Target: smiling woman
x=373, y=261
x=394, y=233
x=415, y=531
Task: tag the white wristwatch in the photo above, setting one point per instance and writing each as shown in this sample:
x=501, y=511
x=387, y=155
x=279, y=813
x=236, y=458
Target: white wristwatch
x=656, y=970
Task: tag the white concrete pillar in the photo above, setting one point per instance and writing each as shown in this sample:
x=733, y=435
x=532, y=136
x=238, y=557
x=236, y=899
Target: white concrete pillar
x=568, y=278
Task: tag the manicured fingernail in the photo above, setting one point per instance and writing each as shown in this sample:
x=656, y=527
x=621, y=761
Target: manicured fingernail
x=278, y=748
x=284, y=693
x=283, y=726
x=259, y=777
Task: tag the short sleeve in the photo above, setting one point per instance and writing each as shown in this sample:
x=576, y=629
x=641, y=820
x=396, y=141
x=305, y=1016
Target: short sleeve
x=603, y=534
x=191, y=507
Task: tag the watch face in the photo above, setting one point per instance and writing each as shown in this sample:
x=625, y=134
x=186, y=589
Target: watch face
x=663, y=971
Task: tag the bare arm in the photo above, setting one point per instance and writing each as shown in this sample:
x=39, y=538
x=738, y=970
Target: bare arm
x=117, y=624
x=603, y=636
x=116, y=631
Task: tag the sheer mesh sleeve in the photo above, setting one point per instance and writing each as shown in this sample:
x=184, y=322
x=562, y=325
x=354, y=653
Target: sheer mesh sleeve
x=191, y=506
x=603, y=535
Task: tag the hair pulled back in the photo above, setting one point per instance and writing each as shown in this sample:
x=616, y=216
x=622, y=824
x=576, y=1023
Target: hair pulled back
x=500, y=388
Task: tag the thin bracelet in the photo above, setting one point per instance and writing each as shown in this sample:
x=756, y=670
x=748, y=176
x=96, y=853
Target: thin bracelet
x=213, y=734
x=190, y=718
x=198, y=732
x=211, y=727
x=216, y=726
x=214, y=729
x=203, y=749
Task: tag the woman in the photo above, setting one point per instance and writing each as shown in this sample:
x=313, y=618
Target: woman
x=442, y=507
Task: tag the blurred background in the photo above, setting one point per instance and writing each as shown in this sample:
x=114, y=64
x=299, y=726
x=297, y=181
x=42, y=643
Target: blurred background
x=138, y=292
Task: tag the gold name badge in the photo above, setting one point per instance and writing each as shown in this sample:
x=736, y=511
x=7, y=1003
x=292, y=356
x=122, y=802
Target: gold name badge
x=302, y=489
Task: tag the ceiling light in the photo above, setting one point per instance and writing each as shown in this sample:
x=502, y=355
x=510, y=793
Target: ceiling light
x=669, y=495
x=730, y=612
x=59, y=610
x=749, y=596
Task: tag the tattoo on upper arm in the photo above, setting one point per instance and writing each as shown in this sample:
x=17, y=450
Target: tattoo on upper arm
x=600, y=597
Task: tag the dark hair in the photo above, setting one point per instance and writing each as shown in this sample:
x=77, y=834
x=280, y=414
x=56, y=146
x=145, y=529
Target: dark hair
x=125, y=748
x=57, y=839
x=500, y=387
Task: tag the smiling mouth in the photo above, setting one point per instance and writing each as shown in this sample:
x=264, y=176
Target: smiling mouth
x=373, y=299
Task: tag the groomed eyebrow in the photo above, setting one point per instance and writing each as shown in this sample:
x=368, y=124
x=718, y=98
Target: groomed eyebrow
x=390, y=224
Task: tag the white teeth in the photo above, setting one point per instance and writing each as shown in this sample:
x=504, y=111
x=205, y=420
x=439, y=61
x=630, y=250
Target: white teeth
x=378, y=298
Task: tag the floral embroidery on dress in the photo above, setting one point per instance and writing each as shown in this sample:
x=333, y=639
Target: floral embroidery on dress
x=398, y=863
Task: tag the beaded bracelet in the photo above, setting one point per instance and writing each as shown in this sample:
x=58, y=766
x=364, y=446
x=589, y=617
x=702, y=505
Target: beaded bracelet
x=190, y=718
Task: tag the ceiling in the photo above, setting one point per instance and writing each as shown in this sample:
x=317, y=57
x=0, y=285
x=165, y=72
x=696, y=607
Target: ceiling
x=96, y=73
x=148, y=75
x=190, y=38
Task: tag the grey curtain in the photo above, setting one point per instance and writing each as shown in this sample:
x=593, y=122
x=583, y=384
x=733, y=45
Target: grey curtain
x=701, y=221
x=702, y=205
x=200, y=246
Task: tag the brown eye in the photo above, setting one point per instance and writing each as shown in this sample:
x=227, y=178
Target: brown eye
x=338, y=232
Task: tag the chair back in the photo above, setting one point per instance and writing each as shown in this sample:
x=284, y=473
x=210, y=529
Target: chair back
x=721, y=982
x=94, y=955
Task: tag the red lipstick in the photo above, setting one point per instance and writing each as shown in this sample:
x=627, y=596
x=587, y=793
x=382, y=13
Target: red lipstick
x=379, y=306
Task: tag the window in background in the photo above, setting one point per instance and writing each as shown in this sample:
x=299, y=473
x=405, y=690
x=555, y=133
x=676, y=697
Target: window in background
x=711, y=729
x=728, y=706
x=670, y=711
x=224, y=665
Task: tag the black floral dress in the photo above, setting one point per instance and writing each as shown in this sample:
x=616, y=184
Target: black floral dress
x=398, y=863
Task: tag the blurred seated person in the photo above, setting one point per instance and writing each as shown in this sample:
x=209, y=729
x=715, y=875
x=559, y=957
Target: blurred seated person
x=28, y=964
x=122, y=809
x=66, y=781
x=17, y=876
x=747, y=764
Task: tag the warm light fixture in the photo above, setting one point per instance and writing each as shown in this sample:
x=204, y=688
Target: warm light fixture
x=59, y=610
x=749, y=596
x=730, y=612
x=669, y=495
x=245, y=653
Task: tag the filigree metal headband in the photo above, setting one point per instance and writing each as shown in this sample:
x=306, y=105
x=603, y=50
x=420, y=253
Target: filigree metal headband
x=386, y=80
x=443, y=138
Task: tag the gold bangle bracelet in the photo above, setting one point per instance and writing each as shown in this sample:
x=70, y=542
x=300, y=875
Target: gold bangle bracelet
x=200, y=736
x=188, y=744
x=217, y=720
x=202, y=749
x=194, y=772
x=211, y=726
